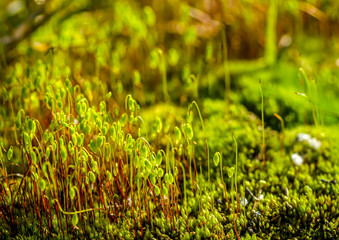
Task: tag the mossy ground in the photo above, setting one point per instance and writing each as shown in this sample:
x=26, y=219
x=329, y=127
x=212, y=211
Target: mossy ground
x=143, y=120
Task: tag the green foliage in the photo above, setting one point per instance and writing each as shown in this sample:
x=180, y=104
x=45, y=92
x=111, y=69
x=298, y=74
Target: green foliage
x=97, y=140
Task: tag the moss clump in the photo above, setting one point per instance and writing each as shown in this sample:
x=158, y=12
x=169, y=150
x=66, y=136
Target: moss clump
x=113, y=113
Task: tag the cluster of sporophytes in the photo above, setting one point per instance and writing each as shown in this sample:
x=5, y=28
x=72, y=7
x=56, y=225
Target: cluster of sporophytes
x=92, y=172
x=100, y=171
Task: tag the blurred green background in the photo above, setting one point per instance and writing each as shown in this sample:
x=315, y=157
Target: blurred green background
x=202, y=46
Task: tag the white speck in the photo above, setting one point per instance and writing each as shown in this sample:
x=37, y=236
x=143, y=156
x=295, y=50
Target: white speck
x=314, y=143
x=129, y=201
x=285, y=41
x=15, y=7
x=243, y=201
x=297, y=159
x=301, y=94
x=261, y=196
x=40, y=2
x=303, y=137
x=337, y=62
x=76, y=121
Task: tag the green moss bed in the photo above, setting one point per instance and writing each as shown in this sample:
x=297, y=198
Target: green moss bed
x=160, y=120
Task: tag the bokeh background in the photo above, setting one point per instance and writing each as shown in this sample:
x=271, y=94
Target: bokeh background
x=203, y=46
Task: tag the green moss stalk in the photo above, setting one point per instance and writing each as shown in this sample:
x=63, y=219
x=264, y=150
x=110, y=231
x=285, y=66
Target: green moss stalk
x=263, y=149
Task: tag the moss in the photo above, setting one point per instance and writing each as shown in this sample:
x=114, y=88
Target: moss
x=89, y=149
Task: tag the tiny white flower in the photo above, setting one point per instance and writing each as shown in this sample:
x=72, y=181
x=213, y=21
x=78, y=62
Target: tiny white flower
x=261, y=196
x=303, y=137
x=76, y=121
x=297, y=159
x=243, y=201
x=313, y=142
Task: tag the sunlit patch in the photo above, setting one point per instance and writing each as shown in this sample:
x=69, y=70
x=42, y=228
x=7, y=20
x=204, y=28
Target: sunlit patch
x=40, y=2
